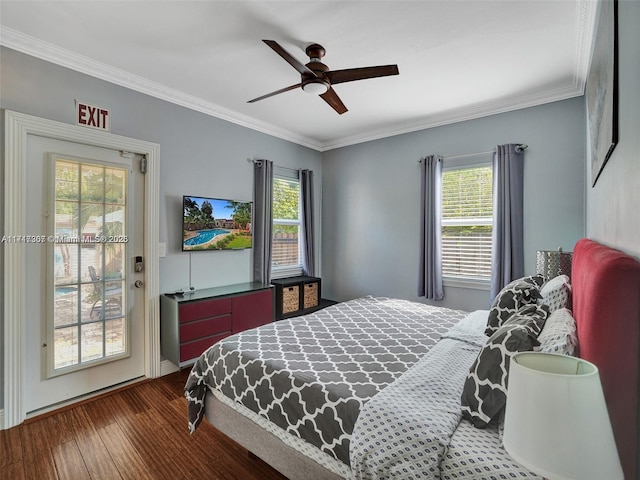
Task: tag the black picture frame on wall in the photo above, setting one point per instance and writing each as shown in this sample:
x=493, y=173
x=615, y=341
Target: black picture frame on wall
x=602, y=90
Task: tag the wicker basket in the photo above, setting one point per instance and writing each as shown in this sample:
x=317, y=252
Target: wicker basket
x=290, y=299
x=310, y=295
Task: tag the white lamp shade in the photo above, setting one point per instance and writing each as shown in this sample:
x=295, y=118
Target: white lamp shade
x=556, y=420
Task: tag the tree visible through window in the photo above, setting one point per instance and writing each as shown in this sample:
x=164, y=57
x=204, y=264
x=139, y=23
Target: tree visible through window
x=285, y=252
x=467, y=222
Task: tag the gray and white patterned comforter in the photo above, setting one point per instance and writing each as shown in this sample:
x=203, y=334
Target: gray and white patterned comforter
x=312, y=375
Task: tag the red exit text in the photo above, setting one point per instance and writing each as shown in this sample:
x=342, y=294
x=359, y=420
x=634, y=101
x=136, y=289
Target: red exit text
x=92, y=116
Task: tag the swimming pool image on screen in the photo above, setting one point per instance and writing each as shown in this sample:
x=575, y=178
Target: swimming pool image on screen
x=204, y=236
x=216, y=224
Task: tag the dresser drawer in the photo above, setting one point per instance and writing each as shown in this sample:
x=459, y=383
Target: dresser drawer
x=204, y=328
x=204, y=309
x=191, y=350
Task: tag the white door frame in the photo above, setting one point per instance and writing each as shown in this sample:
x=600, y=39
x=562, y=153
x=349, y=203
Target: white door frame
x=17, y=127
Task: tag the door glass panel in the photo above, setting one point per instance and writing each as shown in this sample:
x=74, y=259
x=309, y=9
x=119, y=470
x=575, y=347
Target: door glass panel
x=92, y=184
x=89, y=275
x=114, y=260
x=114, y=185
x=92, y=341
x=66, y=342
x=65, y=305
x=67, y=218
x=67, y=180
x=91, y=221
x=114, y=341
x=91, y=294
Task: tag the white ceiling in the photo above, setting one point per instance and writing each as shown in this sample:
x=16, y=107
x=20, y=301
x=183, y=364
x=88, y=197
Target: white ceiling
x=457, y=59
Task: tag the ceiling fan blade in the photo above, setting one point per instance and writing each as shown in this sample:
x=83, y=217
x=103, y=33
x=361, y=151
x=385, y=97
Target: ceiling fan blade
x=332, y=98
x=282, y=90
x=289, y=58
x=351, y=74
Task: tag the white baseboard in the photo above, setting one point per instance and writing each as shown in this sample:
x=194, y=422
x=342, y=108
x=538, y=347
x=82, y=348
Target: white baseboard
x=166, y=367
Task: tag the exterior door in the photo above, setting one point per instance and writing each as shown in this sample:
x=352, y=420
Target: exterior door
x=85, y=320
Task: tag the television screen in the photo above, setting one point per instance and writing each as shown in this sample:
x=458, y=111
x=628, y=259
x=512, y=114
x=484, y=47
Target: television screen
x=215, y=224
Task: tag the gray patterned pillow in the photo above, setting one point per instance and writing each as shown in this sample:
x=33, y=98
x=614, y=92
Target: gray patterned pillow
x=532, y=316
x=556, y=293
x=484, y=394
x=520, y=292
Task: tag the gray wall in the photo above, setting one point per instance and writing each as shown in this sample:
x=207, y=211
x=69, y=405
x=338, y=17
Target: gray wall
x=612, y=205
x=372, y=191
x=199, y=155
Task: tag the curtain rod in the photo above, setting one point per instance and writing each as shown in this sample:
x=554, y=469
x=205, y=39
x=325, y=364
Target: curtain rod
x=519, y=147
x=252, y=160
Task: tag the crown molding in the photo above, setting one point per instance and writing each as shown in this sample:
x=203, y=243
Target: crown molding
x=585, y=18
x=463, y=114
x=45, y=51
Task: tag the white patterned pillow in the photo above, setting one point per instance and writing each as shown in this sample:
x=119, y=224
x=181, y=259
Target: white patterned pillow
x=556, y=293
x=484, y=394
x=520, y=292
x=559, y=333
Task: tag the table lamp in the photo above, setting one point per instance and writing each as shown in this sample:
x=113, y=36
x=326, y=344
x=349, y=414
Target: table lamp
x=556, y=419
x=551, y=263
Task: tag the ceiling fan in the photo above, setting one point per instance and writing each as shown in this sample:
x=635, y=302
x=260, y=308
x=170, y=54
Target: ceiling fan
x=318, y=79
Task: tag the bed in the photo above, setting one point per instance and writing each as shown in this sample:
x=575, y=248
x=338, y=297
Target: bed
x=352, y=390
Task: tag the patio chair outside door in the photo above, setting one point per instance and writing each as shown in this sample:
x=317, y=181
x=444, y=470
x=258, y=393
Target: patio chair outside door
x=108, y=297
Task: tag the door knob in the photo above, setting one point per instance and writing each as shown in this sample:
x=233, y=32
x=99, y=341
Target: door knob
x=138, y=283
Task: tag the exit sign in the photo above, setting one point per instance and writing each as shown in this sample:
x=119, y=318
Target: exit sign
x=93, y=116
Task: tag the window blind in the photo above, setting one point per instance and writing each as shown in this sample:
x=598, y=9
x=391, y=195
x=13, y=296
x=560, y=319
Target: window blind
x=285, y=248
x=467, y=219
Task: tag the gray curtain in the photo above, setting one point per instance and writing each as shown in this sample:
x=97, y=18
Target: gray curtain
x=307, y=225
x=507, y=261
x=262, y=220
x=430, y=274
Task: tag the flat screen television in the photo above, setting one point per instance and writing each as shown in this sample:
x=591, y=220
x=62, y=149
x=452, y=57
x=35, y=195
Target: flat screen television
x=215, y=224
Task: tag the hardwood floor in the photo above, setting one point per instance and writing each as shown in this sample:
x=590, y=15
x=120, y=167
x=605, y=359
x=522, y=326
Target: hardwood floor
x=139, y=433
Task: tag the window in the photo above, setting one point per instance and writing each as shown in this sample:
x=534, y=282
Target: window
x=89, y=322
x=285, y=251
x=467, y=221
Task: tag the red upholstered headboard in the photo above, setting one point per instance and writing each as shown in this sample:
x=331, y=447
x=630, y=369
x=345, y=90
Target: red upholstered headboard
x=606, y=306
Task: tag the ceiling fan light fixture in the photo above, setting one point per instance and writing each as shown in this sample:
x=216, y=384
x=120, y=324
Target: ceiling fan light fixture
x=316, y=87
